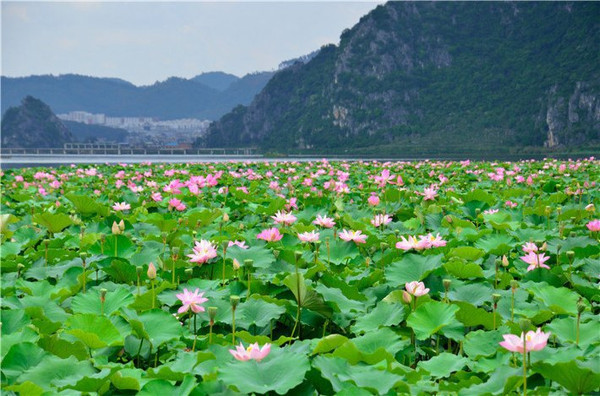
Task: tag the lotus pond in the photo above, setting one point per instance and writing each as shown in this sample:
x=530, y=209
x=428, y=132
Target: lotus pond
x=354, y=278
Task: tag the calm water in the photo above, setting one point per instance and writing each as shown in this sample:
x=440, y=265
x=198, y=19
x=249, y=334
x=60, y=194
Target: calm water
x=43, y=160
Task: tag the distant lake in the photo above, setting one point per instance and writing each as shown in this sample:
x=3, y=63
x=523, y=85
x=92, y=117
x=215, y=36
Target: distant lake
x=55, y=160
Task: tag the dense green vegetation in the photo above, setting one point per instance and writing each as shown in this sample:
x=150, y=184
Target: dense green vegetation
x=301, y=278
x=437, y=77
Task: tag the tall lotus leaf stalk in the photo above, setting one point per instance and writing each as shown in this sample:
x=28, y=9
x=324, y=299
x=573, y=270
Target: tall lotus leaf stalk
x=234, y=301
x=174, y=256
x=138, y=272
x=20, y=268
x=497, y=263
x=152, y=275
x=46, y=242
x=571, y=257
x=102, y=300
x=558, y=249
x=513, y=288
x=189, y=272
x=248, y=263
x=83, y=257
x=297, y=256
x=328, y=251
x=195, y=332
x=383, y=246
x=102, y=240
x=212, y=314
x=548, y=211
x=164, y=241
x=524, y=324
x=580, y=309
x=225, y=244
x=317, y=246
x=495, y=299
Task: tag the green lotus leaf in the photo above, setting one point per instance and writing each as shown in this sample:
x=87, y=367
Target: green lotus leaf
x=444, y=364
x=87, y=206
x=559, y=300
x=94, y=331
x=20, y=358
x=566, y=330
x=411, y=267
x=156, y=325
x=577, y=380
x=433, y=317
x=471, y=316
x=339, y=372
x=163, y=387
x=462, y=270
x=54, y=222
x=473, y=293
x=258, y=312
x=90, y=302
x=384, y=314
x=468, y=253
x=481, y=343
x=263, y=257
x=280, y=371
x=53, y=371
x=329, y=343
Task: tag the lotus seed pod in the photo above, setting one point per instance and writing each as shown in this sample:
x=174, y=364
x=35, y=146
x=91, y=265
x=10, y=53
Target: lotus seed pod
x=234, y=301
x=514, y=285
x=103, y=294
x=524, y=324
x=570, y=255
x=276, y=253
x=176, y=251
x=212, y=313
x=580, y=307
x=20, y=267
x=248, y=263
x=496, y=297
x=138, y=270
x=83, y=256
x=447, y=283
x=189, y=272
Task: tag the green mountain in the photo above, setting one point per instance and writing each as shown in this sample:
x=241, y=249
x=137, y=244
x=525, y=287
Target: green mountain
x=207, y=96
x=436, y=77
x=33, y=125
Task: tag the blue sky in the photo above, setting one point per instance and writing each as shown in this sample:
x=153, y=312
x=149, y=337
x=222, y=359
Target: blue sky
x=144, y=42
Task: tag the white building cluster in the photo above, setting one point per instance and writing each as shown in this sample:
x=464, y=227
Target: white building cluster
x=135, y=124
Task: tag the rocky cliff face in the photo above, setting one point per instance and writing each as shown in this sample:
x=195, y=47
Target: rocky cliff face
x=433, y=74
x=33, y=125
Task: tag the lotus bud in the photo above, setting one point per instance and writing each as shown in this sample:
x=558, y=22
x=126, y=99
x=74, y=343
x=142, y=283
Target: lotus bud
x=477, y=212
x=122, y=226
x=559, y=210
x=449, y=219
x=447, y=283
x=212, y=314
x=241, y=226
x=115, y=228
x=590, y=208
x=236, y=264
x=225, y=217
x=151, y=271
x=524, y=324
x=580, y=307
x=505, y=261
x=406, y=297
x=248, y=263
x=234, y=301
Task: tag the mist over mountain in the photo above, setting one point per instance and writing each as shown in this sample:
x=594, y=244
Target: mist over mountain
x=206, y=96
x=436, y=77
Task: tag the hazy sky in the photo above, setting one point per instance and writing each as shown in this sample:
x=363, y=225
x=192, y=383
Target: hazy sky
x=143, y=42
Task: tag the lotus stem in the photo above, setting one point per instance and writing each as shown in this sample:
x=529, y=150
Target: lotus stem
x=139, y=351
x=524, y=366
x=116, y=252
x=224, y=253
x=153, y=295
x=195, y=333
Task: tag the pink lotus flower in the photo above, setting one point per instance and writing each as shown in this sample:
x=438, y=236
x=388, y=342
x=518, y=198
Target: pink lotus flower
x=429, y=193
x=381, y=219
x=312, y=236
x=176, y=204
x=593, y=225
x=324, y=221
x=270, y=235
x=535, y=261
x=156, y=197
x=432, y=241
x=530, y=247
x=373, y=200
x=120, y=206
x=285, y=218
x=491, y=211
x=417, y=289
x=191, y=301
x=240, y=244
x=533, y=341
x=355, y=236
x=510, y=204
x=203, y=251
x=418, y=244
x=252, y=352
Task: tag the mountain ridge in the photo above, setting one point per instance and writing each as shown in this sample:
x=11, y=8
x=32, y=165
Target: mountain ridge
x=434, y=75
